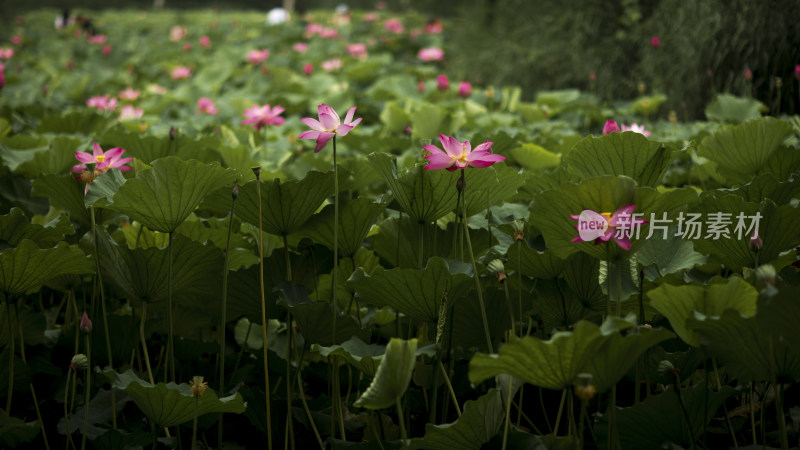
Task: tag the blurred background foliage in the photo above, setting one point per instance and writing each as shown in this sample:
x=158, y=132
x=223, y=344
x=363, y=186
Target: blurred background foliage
x=601, y=46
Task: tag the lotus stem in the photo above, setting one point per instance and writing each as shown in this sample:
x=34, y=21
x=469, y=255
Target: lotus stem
x=105, y=317
x=171, y=343
x=727, y=417
x=308, y=411
x=223, y=317
x=752, y=413
x=257, y=172
x=508, y=411
x=144, y=343
x=450, y=388
x=88, y=389
x=66, y=412
x=401, y=419
x=10, y=359
x=289, y=425
x=519, y=288
x=194, y=423
x=778, y=391
x=560, y=410
x=30, y=385
x=613, y=441
x=618, y=275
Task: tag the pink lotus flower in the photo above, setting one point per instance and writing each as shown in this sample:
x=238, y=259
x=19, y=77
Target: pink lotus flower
x=187, y=46
x=16, y=39
x=156, y=89
x=97, y=39
x=380, y=5
x=258, y=116
x=357, y=50
x=107, y=50
x=329, y=33
x=103, y=162
x=434, y=27
x=205, y=41
x=177, y=33
x=430, y=54
x=370, y=17
x=797, y=71
x=257, y=56
x=619, y=226
x=6, y=53
x=2, y=79
x=655, y=42
x=207, y=106
x=86, y=324
x=748, y=74
x=300, y=47
x=636, y=129
x=181, y=72
x=464, y=89
x=610, y=127
x=592, y=76
x=130, y=112
x=103, y=103
x=441, y=83
x=421, y=86
x=308, y=68
x=328, y=125
x=313, y=28
x=331, y=65
x=129, y=94
x=459, y=155
x=394, y=26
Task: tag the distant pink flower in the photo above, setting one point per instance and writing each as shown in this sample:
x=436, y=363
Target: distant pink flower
x=370, y=17
x=207, y=106
x=97, y=39
x=331, y=65
x=434, y=27
x=748, y=74
x=421, y=86
x=156, y=89
x=257, y=56
x=86, y=324
x=414, y=33
x=300, y=47
x=441, y=83
x=187, y=46
x=107, y=50
x=610, y=127
x=592, y=75
x=459, y=155
x=329, y=33
x=620, y=226
x=129, y=94
x=655, y=42
x=313, y=29
x=308, y=68
x=19, y=19
x=636, y=129
x=177, y=33
x=328, y=125
x=394, y=26
x=205, y=41
x=2, y=79
x=181, y=72
x=103, y=103
x=430, y=54
x=258, y=116
x=380, y=5
x=357, y=50
x=6, y=53
x=16, y=39
x=797, y=71
x=130, y=112
x=464, y=89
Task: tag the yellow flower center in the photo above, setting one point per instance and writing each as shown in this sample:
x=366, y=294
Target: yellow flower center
x=463, y=157
x=101, y=158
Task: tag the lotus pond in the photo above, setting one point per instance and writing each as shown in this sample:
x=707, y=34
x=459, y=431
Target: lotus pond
x=221, y=234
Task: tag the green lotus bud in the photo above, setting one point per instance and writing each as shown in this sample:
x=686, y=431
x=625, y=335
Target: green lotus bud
x=79, y=361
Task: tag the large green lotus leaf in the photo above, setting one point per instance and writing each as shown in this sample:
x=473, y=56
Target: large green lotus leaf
x=164, y=195
x=783, y=162
x=534, y=157
x=552, y=210
x=558, y=306
x=65, y=192
x=628, y=153
x=172, y=404
x=467, y=321
x=394, y=116
x=150, y=148
x=15, y=227
x=83, y=121
x=669, y=255
x=678, y=303
x=365, y=357
x=741, y=152
x=619, y=353
x=103, y=189
x=26, y=266
x=417, y=293
x=480, y=421
x=392, y=377
x=15, y=432
x=778, y=227
x=582, y=274
x=316, y=323
x=355, y=220
x=56, y=158
x=732, y=109
x=552, y=364
x=534, y=264
x=19, y=149
x=659, y=420
x=428, y=121
x=767, y=185
x=545, y=181
x=490, y=186
x=142, y=273
x=285, y=206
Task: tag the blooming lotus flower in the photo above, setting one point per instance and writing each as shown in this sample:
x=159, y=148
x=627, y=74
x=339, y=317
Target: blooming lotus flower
x=156, y=89
x=277, y=16
x=328, y=125
x=6, y=53
x=464, y=89
x=441, y=83
x=205, y=41
x=181, y=72
x=257, y=56
x=300, y=47
x=177, y=33
x=103, y=161
x=459, y=155
x=103, y=103
x=636, y=129
x=129, y=94
x=357, y=50
x=97, y=39
x=430, y=54
x=610, y=127
x=207, y=106
x=621, y=219
x=331, y=65
x=394, y=26
x=308, y=68
x=130, y=112
x=258, y=116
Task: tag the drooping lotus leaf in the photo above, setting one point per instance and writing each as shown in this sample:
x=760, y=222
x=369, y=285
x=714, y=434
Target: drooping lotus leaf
x=742, y=151
x=26, y=266
x=355, y=220
x=534, y=157
x=417, y=293
x=732, y=109
x=480, y=421
x=628, y=153
x=172, y=404
x=364, y=259
x=55, y=158
x=15, y=227
x=552, y=364
x=164, y=195
x=285, y=206
x=581, y=273
x=15, y=432
x=467, y=318
x=103, y=188
x=669, y=255
x=535, y=264
x=678, y=303
x=659, y=419
x=392, y=377
x=559, y=306
x=365, y=357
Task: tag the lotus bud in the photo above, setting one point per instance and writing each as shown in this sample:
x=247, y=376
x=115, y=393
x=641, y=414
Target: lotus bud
x=584, y=389
x=610, y=127
x=79, y=361
x=421, y=87
x=755, y=242
x=641, y=88
x=308, y=69
x=198, y=386
x=173, y=133
x=673, y=117
x=86, y=324
x=519, y=230
x=797, y=71
x=766, y=274
x=498, y=269
x=464, y=89
x=666, y=367
x=257, y=172
x=442, y=83
x=235, y=192
x=778, y=82
x=748, y=74
x=490, y=92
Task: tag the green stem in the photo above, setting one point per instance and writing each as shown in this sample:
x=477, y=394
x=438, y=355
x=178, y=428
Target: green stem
x=30, y=385
x=10, y=358
x=194, y=423
x=223, y=318
x=308, y=411
x=171, y=343
x=608, y=281
x=88, y=389
x=778, y=392
x=144, y=343
x=289, y=437
x=263, y=308
x=105, y=318
x=727, y=417
x=66, y=412
x=508, y=412
x=402, y=421
x=618, y=275
x=560, y=410
x=752, y=413
x=613, y=441
x=510, y=308
x=450, y=388
x=475, y=267
x=519, y=287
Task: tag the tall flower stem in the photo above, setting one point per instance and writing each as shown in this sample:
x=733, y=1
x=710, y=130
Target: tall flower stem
x=508, y=411
x=289, y=438
x=105, y=317
x=257, y=171
x=144, y=343
x=618, y=276
x=88, y=388
x=66, y=412
x=335, y=277
x=194, y=423
x=30, y=385
x=462, y=186
x=171, y=343
x=223, y=314
x=10, y=358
